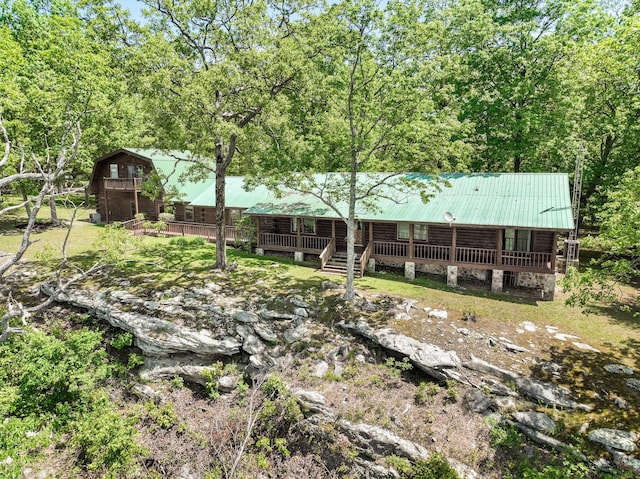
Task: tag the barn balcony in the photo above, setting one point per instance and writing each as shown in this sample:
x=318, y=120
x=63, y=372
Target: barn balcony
x=123, y=184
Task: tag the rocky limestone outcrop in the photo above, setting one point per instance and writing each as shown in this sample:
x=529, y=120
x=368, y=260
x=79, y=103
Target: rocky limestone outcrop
x=431, y=359
x=371, y=442
x=546, y=393
x=155, y=337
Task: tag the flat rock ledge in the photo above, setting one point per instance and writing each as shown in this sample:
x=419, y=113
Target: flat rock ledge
x=614, y=439
x=431, y=359
x=155, y=337
x=545, y=393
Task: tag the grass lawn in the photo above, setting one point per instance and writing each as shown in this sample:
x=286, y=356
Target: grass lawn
x=173, y=264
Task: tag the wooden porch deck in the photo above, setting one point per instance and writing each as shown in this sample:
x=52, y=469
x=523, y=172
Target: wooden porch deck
x=392, y=251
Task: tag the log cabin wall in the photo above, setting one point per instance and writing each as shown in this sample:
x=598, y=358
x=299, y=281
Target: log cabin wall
x=179, y=211
x=385, y=232
x=323, y=228
x=543, y=242
x=436, y=235
x=341, y=235
x=477, y=238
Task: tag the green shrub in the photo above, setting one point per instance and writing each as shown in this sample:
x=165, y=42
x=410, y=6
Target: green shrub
x=396, y=368
x=187, y=242
x=106, y=439
x=436, y=467
x=164, y=416
x=426, y=392
x=50, y=375
x=121, y=340
x=274, y=386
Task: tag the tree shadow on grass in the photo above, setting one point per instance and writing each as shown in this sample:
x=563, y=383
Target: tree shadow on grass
x=189, y=264
x=466, y=288
x=584, y=373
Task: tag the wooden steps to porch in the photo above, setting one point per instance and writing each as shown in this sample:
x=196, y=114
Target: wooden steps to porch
x=337, y=264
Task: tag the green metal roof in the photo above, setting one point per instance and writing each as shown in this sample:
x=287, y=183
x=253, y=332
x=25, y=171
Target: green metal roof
x=517, y=200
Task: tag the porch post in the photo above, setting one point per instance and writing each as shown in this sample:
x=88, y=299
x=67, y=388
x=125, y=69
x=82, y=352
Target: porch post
x=411, y=242
x=499, y=253
x=333, y=229
x=554, y=248
x=298, y=228
x=257, y=231
x=453, y=245
x=106, y=205
x=135, y=195
x=370, y=231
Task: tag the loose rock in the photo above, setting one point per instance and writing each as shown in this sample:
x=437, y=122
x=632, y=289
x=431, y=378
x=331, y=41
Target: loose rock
x=614, y=438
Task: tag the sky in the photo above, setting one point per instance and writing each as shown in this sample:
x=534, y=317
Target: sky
x=134, y=6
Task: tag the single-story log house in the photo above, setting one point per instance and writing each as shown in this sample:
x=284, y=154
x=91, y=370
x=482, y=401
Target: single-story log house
x=497, y=227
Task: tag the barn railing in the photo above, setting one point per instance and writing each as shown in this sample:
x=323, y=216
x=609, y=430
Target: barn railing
x=122, y=184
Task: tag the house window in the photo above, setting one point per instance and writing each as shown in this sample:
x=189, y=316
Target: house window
x=188, y=213
x=135, y=171
x=233, y=216
x=420, y=232
x=308, y=225
x=113, y=170
x=517, y=240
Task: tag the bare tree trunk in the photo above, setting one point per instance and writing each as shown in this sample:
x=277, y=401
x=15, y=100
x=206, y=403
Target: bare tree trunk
x=349, y=293
x=52, y=207
x=221, y=242
x=25, y=198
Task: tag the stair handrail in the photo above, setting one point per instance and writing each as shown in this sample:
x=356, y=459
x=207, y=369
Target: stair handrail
x=327, y=253
x=364, y=258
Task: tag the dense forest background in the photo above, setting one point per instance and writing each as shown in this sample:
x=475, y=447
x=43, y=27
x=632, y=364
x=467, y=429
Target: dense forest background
x=494, y=85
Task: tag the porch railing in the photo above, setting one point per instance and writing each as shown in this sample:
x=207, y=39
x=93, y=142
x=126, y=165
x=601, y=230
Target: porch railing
x=432, y=252
x=327, y=253
x=179, y=228
x=277, y=242
x=364, y=258
x=314, y=243
x=476, y=256
x=390, y=248
x=526, y=259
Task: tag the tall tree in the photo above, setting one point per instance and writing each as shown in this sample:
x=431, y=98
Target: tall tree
x=374, y=102
x=212, y=69
x=516, y=87
x=53, y=79
x=610, y=118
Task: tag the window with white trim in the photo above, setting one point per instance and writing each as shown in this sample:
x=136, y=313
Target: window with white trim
x=307, y=225
x=517, y=240
x=420, y=231
x=188, y=213
x=113, y=170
